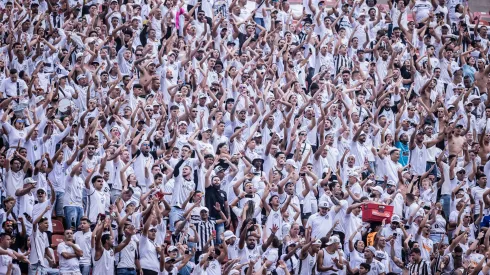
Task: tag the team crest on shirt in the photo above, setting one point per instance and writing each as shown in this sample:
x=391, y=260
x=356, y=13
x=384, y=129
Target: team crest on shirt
x=112, y=253
x=276, y=215
x=213, y=266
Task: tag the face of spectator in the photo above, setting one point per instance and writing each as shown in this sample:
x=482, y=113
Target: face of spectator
x=251, y=242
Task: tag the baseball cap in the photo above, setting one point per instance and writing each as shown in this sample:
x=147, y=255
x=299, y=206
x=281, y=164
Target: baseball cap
x=380, y=254
x=324, y=204
x=228, y=235
x=81, y=76
x=292, y=163
x=333, y=240
x=473, y=97
x=29, y=180
x=395, y=218
x=390, y=182
x=372, y=249
x=377, y=188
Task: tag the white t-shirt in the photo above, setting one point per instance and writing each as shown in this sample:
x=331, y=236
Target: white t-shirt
x=5, y=260
x=83, y=241
x=38, y=209
x=67, y=265
x=39, y=243
x=96, y=201
x=148, y=254
x=73, y=193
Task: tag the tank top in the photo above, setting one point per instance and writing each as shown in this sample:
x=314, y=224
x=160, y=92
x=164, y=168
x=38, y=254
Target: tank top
x=105, y=265
x=305, y=266
x=439, y=226
x=418, y=159
x=274, y=218
x=328, y=261
x=450, y=265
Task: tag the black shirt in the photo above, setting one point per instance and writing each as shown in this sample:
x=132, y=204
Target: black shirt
x=214, y=195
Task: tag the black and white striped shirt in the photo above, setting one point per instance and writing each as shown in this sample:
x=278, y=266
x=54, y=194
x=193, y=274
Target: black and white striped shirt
x=341, y=61
x=421, y=268
x=205, y=231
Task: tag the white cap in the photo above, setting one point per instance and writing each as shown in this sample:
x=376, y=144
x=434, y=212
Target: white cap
x=136, y=18
x=395, y=218
x=458, y=169
x=334, y=239
x=377, y=188
x=390, y=182
x=80, y=76
x=473, y=97
x=354, y=174
x=292, y=163
x=39, y=98
x=323, y=204
x=380, y=254
x=29, y=180
x=228, y=235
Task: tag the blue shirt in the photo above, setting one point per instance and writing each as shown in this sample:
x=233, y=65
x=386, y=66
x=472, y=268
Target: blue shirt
x=404, y=153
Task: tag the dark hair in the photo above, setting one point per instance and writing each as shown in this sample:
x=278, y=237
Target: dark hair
x=416, y=250
x=105, y=238
x=218, y=148
x=410, y=197
x=480, y=175
x=95, y=178
x=366, y=266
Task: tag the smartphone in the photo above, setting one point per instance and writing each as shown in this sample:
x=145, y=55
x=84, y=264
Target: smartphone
x=26, y=215
x=102, y=217
x=395, y=235
x=302, y=174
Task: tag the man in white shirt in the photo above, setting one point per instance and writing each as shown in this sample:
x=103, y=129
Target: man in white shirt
x=321, y=222
x=72, y=204
x=69, y=254
x=83, y=238
x=7, y=254
x=13, y=86
x=40, y=246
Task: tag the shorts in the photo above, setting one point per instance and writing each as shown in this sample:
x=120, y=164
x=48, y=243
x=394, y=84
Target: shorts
x=305, y=216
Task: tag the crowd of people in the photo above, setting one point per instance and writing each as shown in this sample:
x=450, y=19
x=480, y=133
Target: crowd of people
x=149, y=137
